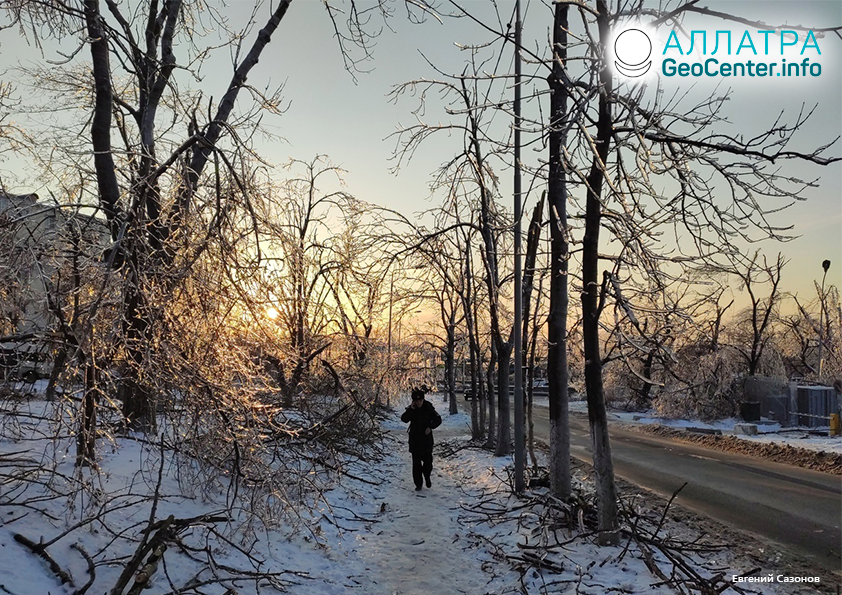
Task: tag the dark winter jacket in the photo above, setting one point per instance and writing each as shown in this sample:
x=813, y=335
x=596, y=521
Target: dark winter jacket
x=419, y=420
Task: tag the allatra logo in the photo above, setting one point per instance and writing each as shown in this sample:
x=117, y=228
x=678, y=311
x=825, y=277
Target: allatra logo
x=632, y=49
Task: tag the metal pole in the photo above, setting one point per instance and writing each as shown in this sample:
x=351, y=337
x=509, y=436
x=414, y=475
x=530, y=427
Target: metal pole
x=825, y=266
x=517, y=350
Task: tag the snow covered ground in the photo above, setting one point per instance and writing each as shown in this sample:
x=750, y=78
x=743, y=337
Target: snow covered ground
x=767, y=431
x=371, y=534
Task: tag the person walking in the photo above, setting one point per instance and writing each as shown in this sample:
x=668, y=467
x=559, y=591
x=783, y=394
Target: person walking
x=422, y=419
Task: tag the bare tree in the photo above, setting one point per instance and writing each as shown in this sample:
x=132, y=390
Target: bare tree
x=446, y=283
x=557, y=366
x=472, y=168
x=762, y=312
x=800, y=334
x=305, y=270
x=152, y=139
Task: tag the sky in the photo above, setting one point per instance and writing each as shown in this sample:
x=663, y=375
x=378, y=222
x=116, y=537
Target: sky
x=350, y=118
x=349, y=114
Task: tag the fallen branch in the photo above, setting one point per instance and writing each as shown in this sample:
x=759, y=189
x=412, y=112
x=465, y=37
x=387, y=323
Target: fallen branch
x=40, y=550
x=142, y=551
x=143, y=577
x=145, y=560
x=541, y=562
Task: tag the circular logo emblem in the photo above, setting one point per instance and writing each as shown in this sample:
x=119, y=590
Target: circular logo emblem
x=632, y=49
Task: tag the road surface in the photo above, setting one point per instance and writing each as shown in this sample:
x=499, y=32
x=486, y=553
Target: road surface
x=795, y=507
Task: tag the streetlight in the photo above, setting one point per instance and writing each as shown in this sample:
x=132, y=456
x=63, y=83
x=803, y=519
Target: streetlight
x=825, y=266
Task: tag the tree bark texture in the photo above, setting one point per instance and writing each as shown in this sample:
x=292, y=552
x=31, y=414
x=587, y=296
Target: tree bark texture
x=492, y=410
x=597, y=418
x=533, y=239
x=504, y=428
x=557, y=367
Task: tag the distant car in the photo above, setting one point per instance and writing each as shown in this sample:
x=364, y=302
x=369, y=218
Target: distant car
x=469, y=394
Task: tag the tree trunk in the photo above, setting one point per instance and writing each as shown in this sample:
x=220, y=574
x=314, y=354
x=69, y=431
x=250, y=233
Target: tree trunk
x=504, y=432
x=529, y=331
x=138, y=400
x=483, y=397
x=450, y=365
x=476, y=422
x=473, y=345
x=59, y=363
x=86, y=438
x=530, y=427
x=644, y=397
x=492, y=413
x=557, y=370
x=603, y=466
x=109, y=190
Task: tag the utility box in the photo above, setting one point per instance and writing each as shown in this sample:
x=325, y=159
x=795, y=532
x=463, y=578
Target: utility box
x=773, y=396
x=814, y=405
x=750, y=411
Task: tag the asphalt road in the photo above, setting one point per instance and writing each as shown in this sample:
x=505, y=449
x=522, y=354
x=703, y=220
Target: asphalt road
x=798, y=508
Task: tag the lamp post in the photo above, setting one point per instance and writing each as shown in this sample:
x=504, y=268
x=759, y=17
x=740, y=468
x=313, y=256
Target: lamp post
x=825, y=266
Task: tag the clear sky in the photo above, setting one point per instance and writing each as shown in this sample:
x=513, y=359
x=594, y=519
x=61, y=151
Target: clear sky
x=350, y=120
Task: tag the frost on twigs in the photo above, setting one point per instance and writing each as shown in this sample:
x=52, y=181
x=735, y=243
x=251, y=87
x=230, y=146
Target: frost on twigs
x=552, y=543
x=222, y=475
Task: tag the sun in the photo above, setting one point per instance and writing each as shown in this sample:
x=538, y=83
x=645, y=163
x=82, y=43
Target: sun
x=272, y=313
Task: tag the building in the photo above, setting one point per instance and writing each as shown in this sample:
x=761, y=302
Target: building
x=38, y=242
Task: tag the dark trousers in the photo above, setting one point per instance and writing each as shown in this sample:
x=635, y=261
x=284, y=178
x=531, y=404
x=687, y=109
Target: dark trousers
x=422, y=465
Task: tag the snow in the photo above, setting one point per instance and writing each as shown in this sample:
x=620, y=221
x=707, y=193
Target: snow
x=832, y=444
x=768, y=432
x=373, y=535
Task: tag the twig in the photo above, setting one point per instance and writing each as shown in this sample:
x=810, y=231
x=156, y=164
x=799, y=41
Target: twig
x=91, y=569
x=324, y=463
x=666, y=509
x=538, y=562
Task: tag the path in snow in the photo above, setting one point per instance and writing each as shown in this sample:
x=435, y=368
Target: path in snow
x=419, y=546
